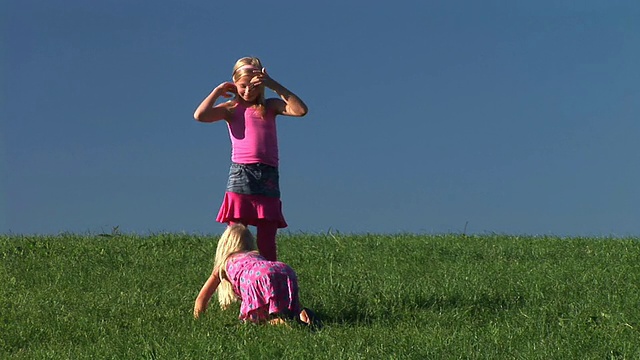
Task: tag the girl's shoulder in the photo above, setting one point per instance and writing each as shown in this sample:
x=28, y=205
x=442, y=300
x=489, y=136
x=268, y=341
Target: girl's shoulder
x=273, y=102
x=243, y=254
x=275, y=105
x=229, y=104
x=230, y=108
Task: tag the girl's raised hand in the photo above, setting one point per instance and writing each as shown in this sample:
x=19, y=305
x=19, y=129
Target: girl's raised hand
x=227, y=89
x=261, y=78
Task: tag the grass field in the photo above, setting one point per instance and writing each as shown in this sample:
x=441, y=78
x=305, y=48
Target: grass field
x=381, y=297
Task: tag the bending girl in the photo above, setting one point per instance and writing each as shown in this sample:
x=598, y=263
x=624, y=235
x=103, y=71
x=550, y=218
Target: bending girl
x=268, y=290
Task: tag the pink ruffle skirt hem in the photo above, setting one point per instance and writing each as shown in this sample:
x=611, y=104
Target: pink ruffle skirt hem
x=250, y=209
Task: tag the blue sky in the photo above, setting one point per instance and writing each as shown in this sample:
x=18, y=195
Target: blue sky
x=425, y=116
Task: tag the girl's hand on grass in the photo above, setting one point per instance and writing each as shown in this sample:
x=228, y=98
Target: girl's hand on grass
x=197, y=310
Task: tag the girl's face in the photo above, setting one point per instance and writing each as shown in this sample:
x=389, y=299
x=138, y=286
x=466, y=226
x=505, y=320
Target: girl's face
x=247, y=91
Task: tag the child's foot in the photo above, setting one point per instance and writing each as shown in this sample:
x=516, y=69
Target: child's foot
x=277, y=321
x=308, y=317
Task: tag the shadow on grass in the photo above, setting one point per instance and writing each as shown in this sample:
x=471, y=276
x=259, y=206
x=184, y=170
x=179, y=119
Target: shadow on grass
x=365, y=311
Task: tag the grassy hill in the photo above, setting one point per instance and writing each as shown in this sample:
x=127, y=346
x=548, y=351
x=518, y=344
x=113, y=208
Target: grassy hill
x=381, y=296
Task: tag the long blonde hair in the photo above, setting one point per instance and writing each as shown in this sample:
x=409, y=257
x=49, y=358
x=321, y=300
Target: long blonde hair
x=235, y=239
x=240, y=72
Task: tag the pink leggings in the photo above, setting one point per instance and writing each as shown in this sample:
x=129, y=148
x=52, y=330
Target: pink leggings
x=266, y=238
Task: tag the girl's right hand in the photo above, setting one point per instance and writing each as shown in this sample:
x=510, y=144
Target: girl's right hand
x=196, y=312
x=198, y=309
x=227, y=89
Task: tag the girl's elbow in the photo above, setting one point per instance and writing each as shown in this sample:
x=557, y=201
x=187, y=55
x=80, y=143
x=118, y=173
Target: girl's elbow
x=301, y=111
x=199, y=116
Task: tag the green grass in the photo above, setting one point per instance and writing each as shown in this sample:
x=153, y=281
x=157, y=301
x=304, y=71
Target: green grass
x=380, y=296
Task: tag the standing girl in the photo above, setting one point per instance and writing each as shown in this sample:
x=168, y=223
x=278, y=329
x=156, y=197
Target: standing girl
x=267, y=289
x=252, y=196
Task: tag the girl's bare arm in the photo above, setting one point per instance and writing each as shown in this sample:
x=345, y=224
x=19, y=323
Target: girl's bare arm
x=289, y=103
x=206, y=292
x=207, y=112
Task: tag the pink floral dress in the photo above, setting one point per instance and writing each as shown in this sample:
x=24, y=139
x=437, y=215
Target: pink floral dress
x=266, y=288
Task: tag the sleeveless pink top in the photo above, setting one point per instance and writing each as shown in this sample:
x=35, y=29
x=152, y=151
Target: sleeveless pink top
x=254, y=139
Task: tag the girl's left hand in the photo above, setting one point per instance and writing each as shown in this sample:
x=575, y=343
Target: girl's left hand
x=262, y=78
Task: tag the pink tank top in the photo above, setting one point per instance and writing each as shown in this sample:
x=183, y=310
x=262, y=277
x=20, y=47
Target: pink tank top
x=254, y=139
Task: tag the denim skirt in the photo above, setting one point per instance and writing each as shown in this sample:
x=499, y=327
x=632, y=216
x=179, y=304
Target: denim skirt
x=254, y=179
x=252, y=196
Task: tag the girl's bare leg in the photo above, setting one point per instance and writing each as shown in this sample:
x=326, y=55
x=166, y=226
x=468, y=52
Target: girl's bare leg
x=266, y=238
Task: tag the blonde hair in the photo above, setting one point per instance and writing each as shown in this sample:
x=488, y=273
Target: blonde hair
x=235, y=239
x=240, y=70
